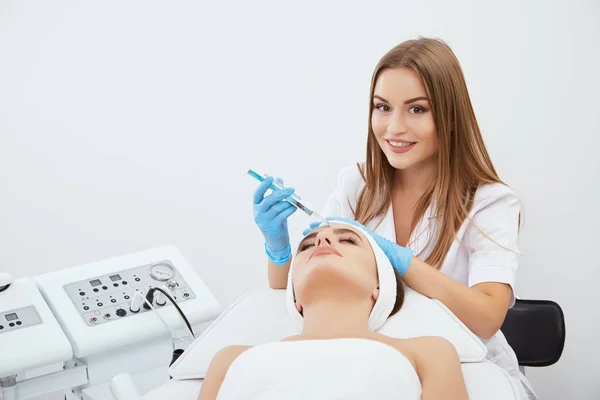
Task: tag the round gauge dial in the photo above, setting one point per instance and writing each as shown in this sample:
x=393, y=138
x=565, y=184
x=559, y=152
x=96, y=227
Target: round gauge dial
x=162, y=272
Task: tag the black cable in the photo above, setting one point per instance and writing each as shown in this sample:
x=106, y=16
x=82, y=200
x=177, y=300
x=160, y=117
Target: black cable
x=150, y=298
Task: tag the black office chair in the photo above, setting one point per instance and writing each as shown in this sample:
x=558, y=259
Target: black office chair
x=535, y=329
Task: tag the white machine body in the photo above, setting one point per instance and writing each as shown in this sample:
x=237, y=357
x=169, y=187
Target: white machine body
x=92, y=301
x=30, y=336
x=81, y=327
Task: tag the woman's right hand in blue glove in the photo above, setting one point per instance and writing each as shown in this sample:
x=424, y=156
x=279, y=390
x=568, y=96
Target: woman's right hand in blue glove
x=270, y=214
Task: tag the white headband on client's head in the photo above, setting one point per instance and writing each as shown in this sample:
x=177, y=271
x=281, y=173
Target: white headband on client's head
x=387, y=287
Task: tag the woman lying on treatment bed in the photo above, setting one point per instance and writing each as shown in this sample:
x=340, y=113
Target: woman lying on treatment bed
x=341, y=289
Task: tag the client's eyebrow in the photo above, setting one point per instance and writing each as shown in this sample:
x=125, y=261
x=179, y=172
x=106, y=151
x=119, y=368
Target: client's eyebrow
x=337, y=231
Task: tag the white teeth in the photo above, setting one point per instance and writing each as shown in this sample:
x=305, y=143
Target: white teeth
x=400, y=144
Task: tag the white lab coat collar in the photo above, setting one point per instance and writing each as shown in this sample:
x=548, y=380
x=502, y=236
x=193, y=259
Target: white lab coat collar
x=419, y=238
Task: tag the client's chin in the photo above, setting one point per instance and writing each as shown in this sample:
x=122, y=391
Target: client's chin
x=325, y=279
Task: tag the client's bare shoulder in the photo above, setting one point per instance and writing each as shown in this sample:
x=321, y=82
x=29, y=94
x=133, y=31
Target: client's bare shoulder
x=404, y=346
x=427, y=346
x=437, y=363
x=421, y=350
x=218, y=369
x=228, y=354
x=293, y=338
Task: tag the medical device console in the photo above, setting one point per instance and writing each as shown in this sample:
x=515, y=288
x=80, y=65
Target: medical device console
x=97, y=306
x=30, y=336
x=110, y=297
x=72, y=330
x=19, y=318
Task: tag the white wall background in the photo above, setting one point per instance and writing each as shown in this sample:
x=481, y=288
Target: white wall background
x=127, y=125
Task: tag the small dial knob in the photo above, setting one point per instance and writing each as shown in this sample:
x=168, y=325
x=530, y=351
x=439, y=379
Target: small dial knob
x=134, y=307
x=160, y=299
x=172, y=284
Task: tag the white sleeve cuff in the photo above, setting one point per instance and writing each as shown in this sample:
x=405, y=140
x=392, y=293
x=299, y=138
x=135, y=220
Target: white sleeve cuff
x=494, y=274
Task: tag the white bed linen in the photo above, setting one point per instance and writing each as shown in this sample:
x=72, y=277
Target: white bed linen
x=485, y=381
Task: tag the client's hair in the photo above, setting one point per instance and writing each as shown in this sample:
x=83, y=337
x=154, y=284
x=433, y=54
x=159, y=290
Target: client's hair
x=399, y=293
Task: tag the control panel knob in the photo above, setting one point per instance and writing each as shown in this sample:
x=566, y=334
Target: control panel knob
x=134, y=307
x=172, y=284
x=160, y=299
x=121, y=312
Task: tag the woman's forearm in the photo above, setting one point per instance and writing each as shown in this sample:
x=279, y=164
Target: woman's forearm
x=278, y=274
x=482, y=308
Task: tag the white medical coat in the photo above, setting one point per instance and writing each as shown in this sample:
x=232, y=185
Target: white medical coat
x=473, y=258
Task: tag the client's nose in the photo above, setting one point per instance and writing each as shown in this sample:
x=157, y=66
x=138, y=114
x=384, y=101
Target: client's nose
x=325, y=238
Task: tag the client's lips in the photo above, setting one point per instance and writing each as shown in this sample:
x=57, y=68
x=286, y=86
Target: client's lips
x=323, y=250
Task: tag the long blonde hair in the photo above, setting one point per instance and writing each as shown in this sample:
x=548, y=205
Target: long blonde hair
x=463, y=163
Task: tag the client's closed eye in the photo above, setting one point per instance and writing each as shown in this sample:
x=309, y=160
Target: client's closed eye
x=344, y=239
x=305, y=246
x=347, y=240
x=343, y=235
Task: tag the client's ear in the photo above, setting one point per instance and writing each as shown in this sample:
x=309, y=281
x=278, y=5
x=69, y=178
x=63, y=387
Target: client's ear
x=298, y=307
x=375, y=293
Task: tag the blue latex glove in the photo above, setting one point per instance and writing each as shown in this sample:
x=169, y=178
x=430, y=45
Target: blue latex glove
x=399, y=256
x=270, y=214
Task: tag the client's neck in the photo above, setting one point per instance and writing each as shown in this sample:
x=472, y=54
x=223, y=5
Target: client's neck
x=334, y=318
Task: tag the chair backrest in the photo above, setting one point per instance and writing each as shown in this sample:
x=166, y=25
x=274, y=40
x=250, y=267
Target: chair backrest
x=535, y=329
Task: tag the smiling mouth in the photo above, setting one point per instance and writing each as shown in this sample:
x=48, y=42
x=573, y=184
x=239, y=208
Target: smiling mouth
x=401, y=144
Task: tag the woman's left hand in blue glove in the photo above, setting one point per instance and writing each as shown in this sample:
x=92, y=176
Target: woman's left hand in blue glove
x=399, y=256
